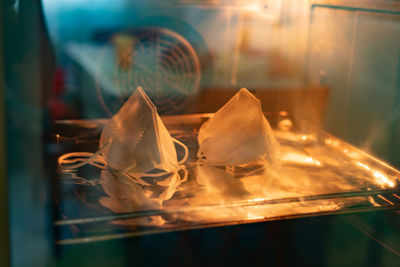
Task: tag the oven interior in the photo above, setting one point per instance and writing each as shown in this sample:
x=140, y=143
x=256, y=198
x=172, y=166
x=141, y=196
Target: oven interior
x=326, y=75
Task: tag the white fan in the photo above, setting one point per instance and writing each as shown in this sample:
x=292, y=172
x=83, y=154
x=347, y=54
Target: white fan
x=162, y=62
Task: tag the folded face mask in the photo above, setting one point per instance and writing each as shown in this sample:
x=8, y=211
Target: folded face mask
x=134, y=141
x=238, y=133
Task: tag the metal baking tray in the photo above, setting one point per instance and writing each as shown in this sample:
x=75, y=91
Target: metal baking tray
x=318, y=174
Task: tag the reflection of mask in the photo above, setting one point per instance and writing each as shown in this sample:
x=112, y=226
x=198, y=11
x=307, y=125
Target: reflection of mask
x=219, y=184
x=124, y=195
x=238, y=133
x=135, y=139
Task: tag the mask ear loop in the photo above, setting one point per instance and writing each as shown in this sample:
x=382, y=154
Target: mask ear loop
x=184, y=147
x=175, y=172
x=76, y=179
x=143, y=174
x=174, y=187
x=92, y=158
x=185, y=174
x=134, y=178
x=185, y=157
x=97, y=160
x=171, y=188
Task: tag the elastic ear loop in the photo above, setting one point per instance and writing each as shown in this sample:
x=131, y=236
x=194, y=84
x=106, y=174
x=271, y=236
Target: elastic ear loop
x=143, y=174
x=176, y=186
x=136, y=179
x=185, y=157
x=185, y=174
x=175, y=172
x=184, y=147
x=92, y=158
x=183, y=179
x=80, y=180
x=171, y=188
x=137, y=176
x=101, y=163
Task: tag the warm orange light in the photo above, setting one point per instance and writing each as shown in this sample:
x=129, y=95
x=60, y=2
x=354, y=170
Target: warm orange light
x=300, y=159
x=373, y=202
x=380, y=178
x=363, y=166
x=254, y=7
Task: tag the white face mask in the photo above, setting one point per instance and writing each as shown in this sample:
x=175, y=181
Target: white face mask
x=238, y=133
x=135, y=139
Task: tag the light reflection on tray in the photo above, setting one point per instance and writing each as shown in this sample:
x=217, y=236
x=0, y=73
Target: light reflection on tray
x=318, y=174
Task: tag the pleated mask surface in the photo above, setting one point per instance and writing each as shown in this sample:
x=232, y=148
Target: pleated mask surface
x=135, y=140
x=238, y=133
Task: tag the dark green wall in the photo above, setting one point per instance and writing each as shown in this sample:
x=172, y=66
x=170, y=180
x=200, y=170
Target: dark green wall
x=4, y=245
